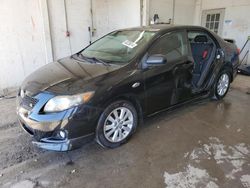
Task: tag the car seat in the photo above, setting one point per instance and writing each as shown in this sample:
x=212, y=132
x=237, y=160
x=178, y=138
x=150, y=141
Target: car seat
x=202, y=51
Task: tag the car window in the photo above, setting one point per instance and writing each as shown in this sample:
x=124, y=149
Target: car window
x=173, y=46
x=193, y=34
x=119, y=46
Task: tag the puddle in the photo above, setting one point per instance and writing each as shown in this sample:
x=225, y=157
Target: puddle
x=232, y=160
x=191, y=177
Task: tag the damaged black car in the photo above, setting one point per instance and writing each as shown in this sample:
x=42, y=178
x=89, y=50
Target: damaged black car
x=105, y=90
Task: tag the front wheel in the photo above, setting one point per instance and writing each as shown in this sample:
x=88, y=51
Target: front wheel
x=222, y=85
x=116, y=124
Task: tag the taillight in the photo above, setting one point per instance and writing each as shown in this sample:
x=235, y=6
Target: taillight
x=238, y=51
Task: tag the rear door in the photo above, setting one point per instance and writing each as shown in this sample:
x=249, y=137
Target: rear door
x=169, y=84
x=205, y=68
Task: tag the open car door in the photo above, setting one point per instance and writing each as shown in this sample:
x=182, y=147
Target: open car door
x=208, y=59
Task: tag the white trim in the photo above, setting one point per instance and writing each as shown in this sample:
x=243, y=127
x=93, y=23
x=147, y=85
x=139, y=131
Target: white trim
x=145, y=16
x=46, y=31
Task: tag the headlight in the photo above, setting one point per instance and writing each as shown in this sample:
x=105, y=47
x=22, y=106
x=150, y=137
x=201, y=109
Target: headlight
x=61, y=103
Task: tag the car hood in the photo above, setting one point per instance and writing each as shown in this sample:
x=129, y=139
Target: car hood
x=65, y=76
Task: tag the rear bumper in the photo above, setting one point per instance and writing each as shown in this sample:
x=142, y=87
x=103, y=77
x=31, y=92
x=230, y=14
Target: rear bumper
x=244, y=69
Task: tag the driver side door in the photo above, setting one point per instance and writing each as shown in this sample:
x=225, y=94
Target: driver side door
x=170, y=83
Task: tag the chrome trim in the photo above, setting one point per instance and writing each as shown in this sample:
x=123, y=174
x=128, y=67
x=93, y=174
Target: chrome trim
x=135, y=85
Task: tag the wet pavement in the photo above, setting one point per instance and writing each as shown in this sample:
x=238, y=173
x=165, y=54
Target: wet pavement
x=200, y=145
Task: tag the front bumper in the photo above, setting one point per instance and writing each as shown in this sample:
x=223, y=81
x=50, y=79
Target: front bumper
x=63, y=145
x=77, y=123
x=50, y=141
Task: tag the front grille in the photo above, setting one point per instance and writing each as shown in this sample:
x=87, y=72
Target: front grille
x=27, y=129
x=38, y=135
x=28, y=102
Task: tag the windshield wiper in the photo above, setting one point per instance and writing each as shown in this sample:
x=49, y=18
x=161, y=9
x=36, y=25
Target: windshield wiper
x=93, y=59
x=100, y=61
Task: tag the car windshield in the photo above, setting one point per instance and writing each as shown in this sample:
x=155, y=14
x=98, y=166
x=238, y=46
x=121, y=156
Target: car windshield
x=119, y=46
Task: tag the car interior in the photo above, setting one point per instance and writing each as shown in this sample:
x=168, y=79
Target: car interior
x=172, y=46
x=203, y=51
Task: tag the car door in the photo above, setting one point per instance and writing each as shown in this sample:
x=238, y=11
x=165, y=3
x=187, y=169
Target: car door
x=206, y=68
x=170, y=83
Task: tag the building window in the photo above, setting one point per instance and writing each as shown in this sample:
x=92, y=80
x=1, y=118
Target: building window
x=212, y=22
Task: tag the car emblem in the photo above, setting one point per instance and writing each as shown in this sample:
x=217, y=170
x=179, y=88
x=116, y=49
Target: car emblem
x=136, y=84
x=31, y=105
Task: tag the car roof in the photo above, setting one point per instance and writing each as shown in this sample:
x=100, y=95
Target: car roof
x=164, y=27
x=160, y=29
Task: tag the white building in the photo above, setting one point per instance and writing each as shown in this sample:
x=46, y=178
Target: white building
x=37, y=32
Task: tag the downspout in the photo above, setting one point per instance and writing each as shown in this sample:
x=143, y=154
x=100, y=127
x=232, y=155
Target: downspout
x=91, y=29
x=173, y=17
x=47, y=31
x=141, y=12
x=67, y=26
x=145, y=14
x=201, y=12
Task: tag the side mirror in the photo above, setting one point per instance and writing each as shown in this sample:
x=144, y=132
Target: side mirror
x=156, y=60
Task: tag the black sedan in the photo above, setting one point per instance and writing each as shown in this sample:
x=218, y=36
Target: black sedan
x=105, y=90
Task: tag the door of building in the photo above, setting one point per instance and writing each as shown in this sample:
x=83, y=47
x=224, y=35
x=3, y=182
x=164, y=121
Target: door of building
x=110, y=15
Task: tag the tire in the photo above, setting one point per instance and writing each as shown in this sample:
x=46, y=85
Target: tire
x=116, y=124
x=222, y=85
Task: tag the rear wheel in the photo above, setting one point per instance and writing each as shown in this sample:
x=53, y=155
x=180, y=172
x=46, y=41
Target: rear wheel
x=222, y=85
x=116, y=124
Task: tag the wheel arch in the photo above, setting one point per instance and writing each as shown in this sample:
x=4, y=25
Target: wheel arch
x=133, y=99
x=228, y=66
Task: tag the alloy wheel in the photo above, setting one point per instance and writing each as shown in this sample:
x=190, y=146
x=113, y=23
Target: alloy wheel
x=223, y=84
x=118, y=125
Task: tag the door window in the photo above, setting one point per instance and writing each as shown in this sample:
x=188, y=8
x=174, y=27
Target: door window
x=173, y=46
x=193, y=34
